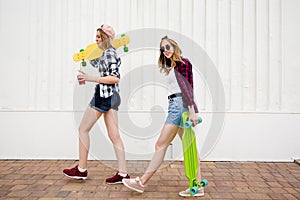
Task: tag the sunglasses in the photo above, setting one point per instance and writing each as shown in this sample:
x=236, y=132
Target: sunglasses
x=166, y=48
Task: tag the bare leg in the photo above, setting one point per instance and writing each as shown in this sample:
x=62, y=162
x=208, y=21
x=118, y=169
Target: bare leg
x=111, y=121
x=90, y=117
x=166, y=137
x=180, y=133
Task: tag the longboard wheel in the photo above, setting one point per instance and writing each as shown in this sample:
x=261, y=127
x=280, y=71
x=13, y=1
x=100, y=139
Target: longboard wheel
x=204, y=183
x=83, y=63
x=125, y=49
x=188, y=124
x=199, y=119
x=194, y=190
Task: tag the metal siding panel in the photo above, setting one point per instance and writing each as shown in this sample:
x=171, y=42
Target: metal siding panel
x=249, y=56
x=161, y=12
x=42, y=41
x=186, y=18
x=262, y=52
x=32, y=56
x=124, y=10
x=275, y=56
x=149, y=57
x=174, y=15
x=236, y=55
x=248, y=52
x=224, y=49
x=149, y=13
x=67, y=66
x=198, y=35
x=290, y=56
x=54, y=69
x=211, y=44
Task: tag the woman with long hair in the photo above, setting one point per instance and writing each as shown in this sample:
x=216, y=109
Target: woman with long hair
x=105, y=101
x=178, y=70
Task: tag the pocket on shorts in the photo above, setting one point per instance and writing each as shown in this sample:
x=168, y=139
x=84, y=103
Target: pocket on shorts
x=115, y=100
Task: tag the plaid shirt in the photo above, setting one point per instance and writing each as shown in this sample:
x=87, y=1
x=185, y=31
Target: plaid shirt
x=184, y=76
x=108, y=64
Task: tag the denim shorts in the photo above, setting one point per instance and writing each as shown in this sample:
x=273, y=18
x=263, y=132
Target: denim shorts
x=104, y=104
x=175, y=111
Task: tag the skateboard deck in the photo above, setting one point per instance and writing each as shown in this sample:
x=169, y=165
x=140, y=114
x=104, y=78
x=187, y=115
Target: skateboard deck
x=92, y=51
x=190, y=155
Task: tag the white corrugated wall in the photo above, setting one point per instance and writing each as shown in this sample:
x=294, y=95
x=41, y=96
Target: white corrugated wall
x=253, y=44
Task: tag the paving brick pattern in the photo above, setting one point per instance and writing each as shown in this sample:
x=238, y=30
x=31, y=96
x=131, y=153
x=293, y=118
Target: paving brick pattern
x=43, y=180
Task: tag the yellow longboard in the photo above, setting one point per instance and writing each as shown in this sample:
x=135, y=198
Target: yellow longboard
x=92, y=51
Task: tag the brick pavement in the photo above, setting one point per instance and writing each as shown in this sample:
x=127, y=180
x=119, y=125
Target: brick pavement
x=37, y=179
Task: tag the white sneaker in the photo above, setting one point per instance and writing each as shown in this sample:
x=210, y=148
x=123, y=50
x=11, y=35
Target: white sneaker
x=134, y=184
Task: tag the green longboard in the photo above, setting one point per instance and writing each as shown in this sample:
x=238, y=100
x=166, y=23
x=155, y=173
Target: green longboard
x=190, y=155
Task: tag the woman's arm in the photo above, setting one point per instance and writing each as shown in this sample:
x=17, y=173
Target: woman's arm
x=97, y=79
x=193, y=117
x=184, y=76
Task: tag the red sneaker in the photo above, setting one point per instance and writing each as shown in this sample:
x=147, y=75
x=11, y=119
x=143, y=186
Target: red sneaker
x=116, y=179
x=75, y=173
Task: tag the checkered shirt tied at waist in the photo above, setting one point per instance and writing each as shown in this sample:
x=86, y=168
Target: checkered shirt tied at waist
x=108, y=64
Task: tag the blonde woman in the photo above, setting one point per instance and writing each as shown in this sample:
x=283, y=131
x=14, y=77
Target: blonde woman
x=178, y=70
x=105, y=101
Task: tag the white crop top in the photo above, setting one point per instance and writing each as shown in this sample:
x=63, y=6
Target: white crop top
x=173, y=85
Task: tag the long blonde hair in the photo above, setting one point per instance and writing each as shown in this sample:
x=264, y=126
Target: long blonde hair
x=106, y=42
x=165, y=65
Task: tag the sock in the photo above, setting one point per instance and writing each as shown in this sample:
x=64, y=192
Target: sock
x=80, y=169
x=123, y=175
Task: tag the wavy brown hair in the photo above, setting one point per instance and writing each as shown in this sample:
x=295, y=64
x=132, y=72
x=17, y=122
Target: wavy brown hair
x=165, y=65
x=106, y=42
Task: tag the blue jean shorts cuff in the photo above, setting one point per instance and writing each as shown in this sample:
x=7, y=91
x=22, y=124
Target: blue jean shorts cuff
x=98, y=109
x=180, y=125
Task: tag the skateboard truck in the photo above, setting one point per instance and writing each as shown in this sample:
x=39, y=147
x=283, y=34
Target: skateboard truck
x=125, y=49
x=189, y=124
x=83, y=62
x=196, y=186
